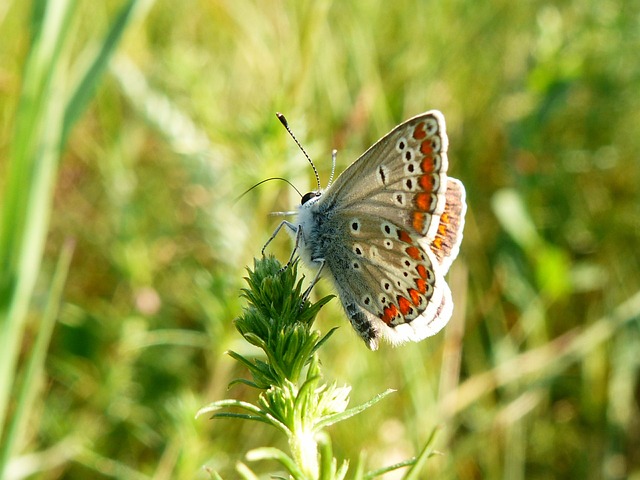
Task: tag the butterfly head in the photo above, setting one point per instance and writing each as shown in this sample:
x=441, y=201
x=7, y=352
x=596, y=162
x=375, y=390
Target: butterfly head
x=310, y=196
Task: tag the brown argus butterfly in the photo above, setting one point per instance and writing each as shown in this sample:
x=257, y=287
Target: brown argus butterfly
x=386, y=232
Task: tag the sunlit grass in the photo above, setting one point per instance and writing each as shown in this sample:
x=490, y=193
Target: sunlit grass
x=536, y=376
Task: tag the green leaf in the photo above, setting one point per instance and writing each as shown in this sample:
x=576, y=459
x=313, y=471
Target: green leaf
x=31, y=379
x=414, y=472
x=243, y=416
x=323, y=340
x=280, y=457
x=389, y=468
x=87, y=85
x=243, y=381
x=338, y=417
x=214, y=406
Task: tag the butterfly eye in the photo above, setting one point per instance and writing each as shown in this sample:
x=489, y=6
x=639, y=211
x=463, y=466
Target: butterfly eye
x=308, y=196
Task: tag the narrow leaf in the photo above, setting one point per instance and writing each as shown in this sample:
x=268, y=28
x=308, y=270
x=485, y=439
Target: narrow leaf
x=338, y=417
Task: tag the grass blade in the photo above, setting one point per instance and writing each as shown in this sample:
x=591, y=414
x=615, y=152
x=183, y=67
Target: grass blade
x=35, y=367
x=31, y=178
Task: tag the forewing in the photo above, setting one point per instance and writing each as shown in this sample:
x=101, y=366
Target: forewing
x=402, y=178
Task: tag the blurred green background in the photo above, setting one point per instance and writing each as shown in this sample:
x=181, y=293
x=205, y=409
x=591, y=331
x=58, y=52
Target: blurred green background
x=537, y=374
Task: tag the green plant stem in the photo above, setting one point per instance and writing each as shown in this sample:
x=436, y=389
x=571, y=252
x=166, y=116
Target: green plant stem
x=31, y=178
x=32, y=379
x=304, y=449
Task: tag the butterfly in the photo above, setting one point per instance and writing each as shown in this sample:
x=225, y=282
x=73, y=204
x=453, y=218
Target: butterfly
x=386, y=232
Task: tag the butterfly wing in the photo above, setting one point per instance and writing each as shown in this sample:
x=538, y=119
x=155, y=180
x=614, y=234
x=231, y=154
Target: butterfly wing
x=397, y=233
x=402, y=177
x=389, y=285
x=446, y=243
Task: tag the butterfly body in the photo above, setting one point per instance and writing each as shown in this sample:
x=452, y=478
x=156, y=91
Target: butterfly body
x=386, y=232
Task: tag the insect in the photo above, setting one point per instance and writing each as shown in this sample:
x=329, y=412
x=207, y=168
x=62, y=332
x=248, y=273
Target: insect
x=386, y=232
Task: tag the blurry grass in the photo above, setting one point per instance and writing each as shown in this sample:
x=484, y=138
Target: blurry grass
x=537, y=374
x=43, y=122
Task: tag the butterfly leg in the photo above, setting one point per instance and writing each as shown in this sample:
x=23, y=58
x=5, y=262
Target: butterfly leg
x=307, y=292
x=298, y=232
x=277, y=230
x=295, y=247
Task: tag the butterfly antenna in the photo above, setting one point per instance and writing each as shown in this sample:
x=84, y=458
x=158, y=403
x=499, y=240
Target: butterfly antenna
x=334, y=155
x=268, y=180
x=284, y=122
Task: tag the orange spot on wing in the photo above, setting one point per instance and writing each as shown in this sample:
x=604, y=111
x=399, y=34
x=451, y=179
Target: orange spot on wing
x=426, y=182
x=426, y=148
x=415, y=296
x=405, y=305
x=421, y=284
x=422, y=272
x=418, y=132
x=414, y=252
x=418, y=221
x=389, y=314
x=444, y=222
x=404, y=236
x=423, y=201
x=428, y=165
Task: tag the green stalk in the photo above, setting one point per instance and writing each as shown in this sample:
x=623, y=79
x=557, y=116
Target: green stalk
x=31, y=382
x=30, y=180
x=304, y=450
x=46, y=113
